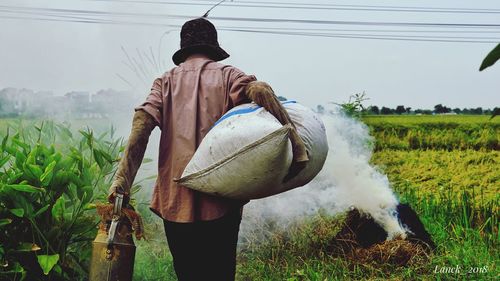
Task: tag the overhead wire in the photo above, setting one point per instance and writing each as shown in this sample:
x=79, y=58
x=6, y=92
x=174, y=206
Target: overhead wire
x=455, y=39
x=88, y=16
x=309, y=6
x=334, y=5
x=249, y=19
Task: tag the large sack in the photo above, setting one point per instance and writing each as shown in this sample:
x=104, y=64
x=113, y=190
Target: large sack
x=247, y=153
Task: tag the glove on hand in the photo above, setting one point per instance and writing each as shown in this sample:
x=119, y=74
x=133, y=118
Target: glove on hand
x=262, y=94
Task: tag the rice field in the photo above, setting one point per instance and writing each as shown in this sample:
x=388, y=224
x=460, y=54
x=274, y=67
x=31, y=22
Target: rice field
x=456, y=132
x=447, y=168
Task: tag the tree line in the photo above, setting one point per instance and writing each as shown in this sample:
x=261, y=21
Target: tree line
x=403, y=110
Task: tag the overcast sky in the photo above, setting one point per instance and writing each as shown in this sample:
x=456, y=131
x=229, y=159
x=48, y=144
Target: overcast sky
x=62, y=56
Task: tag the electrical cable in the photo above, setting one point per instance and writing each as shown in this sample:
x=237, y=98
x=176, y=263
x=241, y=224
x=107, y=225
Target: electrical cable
x=279, y=5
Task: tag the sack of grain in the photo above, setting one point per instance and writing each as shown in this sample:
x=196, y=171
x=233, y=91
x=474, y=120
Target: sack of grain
x=247, y=153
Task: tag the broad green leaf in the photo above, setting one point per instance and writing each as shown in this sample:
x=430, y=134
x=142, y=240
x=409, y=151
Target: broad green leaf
x=491, y=58
x=48, y=173
x=20, y=158
x=16, y=269
x=13, y=176
x=5, y=221
x=21, y=144
x=47, y=262
x=11, y=150
x=58, y=208
x=106, y=156
x=41, y=210
x=19, y=212
x=58, y=269
x=24, y=188
x=89, y=206
x=98, y=158
x=87, y=194
x=89, y=137
x=22, y=202
x=28, y=247
x=4, y=141
x=4, y=160
x=35, y=170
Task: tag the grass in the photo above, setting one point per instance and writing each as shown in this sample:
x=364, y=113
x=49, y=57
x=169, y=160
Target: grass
x=463, y=234
x=445, y=167
x=454, y=190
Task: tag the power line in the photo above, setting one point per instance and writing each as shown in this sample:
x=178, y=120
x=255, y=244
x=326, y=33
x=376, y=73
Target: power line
x=354, y=6
x=455, y=39
x=249, y=19
x=379, y=36
x=308, y=6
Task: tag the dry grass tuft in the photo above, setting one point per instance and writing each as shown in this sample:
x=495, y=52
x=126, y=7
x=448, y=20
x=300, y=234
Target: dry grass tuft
x=396, y=252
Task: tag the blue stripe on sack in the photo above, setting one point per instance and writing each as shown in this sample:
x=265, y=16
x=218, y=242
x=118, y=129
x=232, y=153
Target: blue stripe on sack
x=244, y=111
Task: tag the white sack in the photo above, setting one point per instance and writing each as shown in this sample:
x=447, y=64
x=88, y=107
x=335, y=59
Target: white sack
x=247, y=153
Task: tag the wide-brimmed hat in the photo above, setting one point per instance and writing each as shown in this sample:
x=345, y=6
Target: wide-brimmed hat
x=199, y=36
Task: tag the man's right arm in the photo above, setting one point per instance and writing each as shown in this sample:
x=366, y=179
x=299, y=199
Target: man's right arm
x=142, y=126
x=146, y=118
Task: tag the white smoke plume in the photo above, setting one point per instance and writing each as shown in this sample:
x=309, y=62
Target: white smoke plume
x=346, y=180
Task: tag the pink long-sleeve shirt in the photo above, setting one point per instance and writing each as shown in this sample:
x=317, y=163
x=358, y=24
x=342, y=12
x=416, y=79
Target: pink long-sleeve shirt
x=185, y=103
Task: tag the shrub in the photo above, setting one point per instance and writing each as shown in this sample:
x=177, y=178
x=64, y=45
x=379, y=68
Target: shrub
x=49, y=180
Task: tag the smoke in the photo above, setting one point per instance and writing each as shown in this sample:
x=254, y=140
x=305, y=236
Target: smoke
x=347, y=180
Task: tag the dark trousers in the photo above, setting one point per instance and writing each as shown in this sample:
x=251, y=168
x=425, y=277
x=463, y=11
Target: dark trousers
x=204, y=250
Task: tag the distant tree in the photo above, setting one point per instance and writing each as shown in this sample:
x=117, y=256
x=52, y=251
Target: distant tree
x=374, y=110
x=408, y=110
x=386, y=110
x=400, y=109
x=496, y=111
x=439, y=108
x=477, y=110
x=457, y=110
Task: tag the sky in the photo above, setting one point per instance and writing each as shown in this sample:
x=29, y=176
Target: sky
x=62, y=56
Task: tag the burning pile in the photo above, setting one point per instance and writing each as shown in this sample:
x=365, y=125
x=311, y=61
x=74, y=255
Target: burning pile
x=364, y=240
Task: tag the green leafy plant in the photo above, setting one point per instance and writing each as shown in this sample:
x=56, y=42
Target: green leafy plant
x=354, y=106
x=491, y=58
x=49, y=181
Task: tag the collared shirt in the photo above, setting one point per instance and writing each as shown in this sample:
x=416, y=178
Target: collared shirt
x=185, y=103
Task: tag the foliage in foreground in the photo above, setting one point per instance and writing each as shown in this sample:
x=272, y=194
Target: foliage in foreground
x=463, y=237
x=49, y=179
